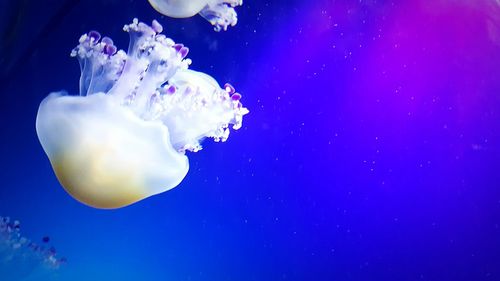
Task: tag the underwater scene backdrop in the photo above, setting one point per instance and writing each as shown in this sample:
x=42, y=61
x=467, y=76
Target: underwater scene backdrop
x=371, y=150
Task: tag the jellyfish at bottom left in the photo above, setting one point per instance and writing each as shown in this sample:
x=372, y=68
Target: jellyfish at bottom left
x=24, y=259
x=125, y=137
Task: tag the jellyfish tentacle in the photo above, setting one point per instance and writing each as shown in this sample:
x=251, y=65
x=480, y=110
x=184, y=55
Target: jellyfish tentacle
x=152, y=60
x=221, y=13
x=100, y=63
x=201, y=103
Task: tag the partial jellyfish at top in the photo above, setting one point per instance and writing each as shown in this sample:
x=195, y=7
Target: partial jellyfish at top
x=220, y=13
x=125, y=137
x=23, y=259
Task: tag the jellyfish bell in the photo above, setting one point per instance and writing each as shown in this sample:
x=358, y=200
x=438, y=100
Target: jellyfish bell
x=103, y=154
x=178, y=8
x=220, y=13
x=125, y=137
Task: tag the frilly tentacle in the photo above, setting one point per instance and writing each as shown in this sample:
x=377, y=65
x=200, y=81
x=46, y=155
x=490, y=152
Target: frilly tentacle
x=153, y=80
x=221, y=14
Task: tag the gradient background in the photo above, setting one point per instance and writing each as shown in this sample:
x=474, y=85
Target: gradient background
x=372, y=150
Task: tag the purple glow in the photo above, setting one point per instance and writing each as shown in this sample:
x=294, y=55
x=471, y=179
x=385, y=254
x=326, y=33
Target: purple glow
x=392, y=134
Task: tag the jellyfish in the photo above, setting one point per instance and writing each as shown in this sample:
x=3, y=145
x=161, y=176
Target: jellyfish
x=220, y=13
x=21, y=258
x=125, y=137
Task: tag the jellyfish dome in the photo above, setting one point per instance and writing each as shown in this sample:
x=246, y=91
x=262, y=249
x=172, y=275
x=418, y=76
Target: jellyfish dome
x=124, y=138
x=220, y=13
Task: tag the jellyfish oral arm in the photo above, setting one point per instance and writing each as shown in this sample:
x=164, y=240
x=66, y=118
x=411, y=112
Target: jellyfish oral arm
x=221, y=14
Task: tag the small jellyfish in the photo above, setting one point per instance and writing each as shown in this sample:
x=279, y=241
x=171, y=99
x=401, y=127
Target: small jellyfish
x=125, y=136
x=21, y=258
x=220, y=13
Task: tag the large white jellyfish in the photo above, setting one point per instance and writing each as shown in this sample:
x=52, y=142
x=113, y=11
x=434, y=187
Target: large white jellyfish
x=124, y=138
x=220, y=13
x=23, y=259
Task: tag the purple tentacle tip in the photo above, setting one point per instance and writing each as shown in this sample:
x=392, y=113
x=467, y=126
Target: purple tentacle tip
x=171, y=90
x=109, y=50
x=229, y=88
x=236, y=97
x=107, y=41
x=178, y=47
x=94, y=35
x=157, y=27
x=184, y=51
